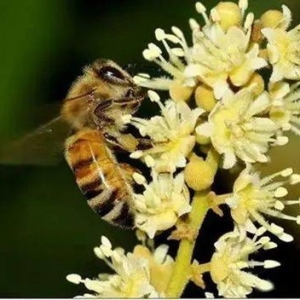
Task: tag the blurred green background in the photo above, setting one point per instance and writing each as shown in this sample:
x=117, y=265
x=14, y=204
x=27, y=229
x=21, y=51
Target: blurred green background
x=47, y=231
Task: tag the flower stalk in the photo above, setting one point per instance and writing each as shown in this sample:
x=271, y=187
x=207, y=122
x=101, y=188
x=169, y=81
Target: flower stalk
x=181, y=271
x=200, y=206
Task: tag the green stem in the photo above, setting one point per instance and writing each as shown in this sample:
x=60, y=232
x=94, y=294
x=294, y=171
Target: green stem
x=200, y=206
x=181, y=271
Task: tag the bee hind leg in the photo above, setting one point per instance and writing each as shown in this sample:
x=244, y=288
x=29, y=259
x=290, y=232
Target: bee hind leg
x=127, y=142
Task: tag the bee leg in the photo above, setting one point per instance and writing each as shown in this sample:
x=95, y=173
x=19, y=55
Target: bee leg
x=131, y=104
x=127, y=142
x=143, y=144
x=103, y=106
x=128, y=103
x=121, y=142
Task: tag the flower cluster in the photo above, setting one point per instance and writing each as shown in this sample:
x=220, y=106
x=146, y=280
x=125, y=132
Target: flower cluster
x=234, y=94
x=140, y=274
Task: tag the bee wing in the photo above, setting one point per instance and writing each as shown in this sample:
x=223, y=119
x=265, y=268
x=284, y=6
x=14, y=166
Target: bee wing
x=43, y=146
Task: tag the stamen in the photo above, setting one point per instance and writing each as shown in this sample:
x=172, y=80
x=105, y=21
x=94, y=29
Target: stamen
x=98, y=252
x=243, y=4
x=270, y=245
x=154, y=97
x=215, y=16
x=249, y=21
x=194, y=24
x=138, y=178
x=269, y=264
x=295, y=179
x=150, y=162
x=160, y=34
x=105, y=242
x=201, y=9
x=286, y=172
x=74, y=278
x=280, y=192
x=282, y=140
x=136, y=154
x=279, y=205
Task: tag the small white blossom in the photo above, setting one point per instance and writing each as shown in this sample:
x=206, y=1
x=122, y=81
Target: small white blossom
x=231, y=258
x=253, y=198
x=135, y=275
x=283, y=49
x=237, y=131
x=171, y=135
x=285, y=108
x=174, y=66
x=215, y=56
x=164, y=200
x=220, y=55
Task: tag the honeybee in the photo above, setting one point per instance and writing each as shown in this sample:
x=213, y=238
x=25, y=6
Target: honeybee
x=93, y=109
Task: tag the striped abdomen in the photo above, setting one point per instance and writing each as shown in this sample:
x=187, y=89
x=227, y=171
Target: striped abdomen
x=99, y=177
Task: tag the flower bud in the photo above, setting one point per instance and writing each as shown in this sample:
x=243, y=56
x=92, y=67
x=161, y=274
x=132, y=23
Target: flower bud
x=204, y=97
x=202, y=140
x=198, y=174
x=179, y=92
x=229, y=14
x=271, y=18
x=258, y=84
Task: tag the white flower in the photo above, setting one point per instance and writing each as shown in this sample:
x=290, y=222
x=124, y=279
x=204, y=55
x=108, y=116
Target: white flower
x=285, y=108
x=230, y=260
x=220, y=55
x=135, y=273
x=283, y=49
x=174, y=66
x=236, y=129
x=253, y=198
x=215, y=56
x=171, y=135
x=164, y=200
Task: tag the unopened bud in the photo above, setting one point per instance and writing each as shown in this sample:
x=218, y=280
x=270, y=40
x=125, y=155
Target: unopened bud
x=204, y=97
x=271, y=18
x=202, y=140
x=229, y=14
x=198, y=174
x=258, y=84
x=180, y=92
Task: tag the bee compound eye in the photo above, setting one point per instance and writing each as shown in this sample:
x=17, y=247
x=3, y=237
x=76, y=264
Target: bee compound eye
x=111, y=74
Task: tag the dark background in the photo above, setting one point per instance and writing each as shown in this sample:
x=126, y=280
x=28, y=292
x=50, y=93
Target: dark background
x=47, y=231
